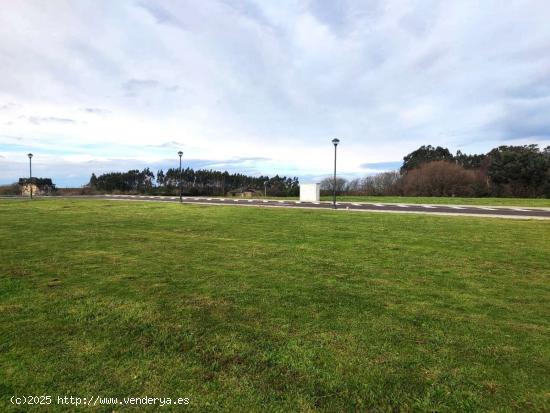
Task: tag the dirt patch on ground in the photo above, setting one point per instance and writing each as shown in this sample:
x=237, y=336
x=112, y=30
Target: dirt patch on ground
x=17, y=271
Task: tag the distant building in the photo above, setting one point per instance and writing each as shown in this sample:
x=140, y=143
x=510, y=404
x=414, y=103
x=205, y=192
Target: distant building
x=243, y=193
x=39, y=186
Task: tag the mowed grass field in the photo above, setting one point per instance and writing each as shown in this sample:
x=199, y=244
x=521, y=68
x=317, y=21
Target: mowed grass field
x=520, y=202
x=260, y=309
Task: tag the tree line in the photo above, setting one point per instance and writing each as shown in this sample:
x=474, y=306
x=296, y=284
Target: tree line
x=193, y=182
x=505, y=171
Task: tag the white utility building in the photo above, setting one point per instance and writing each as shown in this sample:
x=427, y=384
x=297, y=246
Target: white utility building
x=310, y=192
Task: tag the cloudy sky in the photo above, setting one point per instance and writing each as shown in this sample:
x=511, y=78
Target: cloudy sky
x=263, y=86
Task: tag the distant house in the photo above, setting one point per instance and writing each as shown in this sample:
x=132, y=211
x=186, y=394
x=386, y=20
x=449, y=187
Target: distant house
x=243, y=193
x=39, y=186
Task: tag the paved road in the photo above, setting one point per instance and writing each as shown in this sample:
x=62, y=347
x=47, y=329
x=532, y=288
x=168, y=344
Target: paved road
x=485, y=211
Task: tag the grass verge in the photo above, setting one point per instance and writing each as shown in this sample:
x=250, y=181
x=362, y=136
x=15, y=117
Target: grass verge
x=258, y=309
x=519, y=202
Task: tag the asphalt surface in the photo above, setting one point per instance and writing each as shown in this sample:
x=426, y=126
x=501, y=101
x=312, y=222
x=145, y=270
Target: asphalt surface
x=469, y=210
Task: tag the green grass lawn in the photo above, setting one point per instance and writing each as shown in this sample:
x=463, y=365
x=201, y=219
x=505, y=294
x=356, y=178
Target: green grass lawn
x=525, y=202
x=257, y=309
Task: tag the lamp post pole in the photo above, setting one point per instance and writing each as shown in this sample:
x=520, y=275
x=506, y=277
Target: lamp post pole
x=335, y=142
x=180, y=153
x=30, y=172
x=265, y=189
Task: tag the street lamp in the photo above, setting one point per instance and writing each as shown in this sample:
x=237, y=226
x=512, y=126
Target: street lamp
x=30, y=171
x=335, y=142
x=180, y=153
x=265, y=189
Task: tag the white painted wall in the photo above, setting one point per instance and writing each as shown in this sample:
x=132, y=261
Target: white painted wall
x=310, y=192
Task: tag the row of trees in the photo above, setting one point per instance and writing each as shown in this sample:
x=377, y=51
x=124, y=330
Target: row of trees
x=517, y=171
x=522, y=171
x=193, y=182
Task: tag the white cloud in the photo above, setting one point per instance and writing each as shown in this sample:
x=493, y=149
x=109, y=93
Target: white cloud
x=241, y=79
